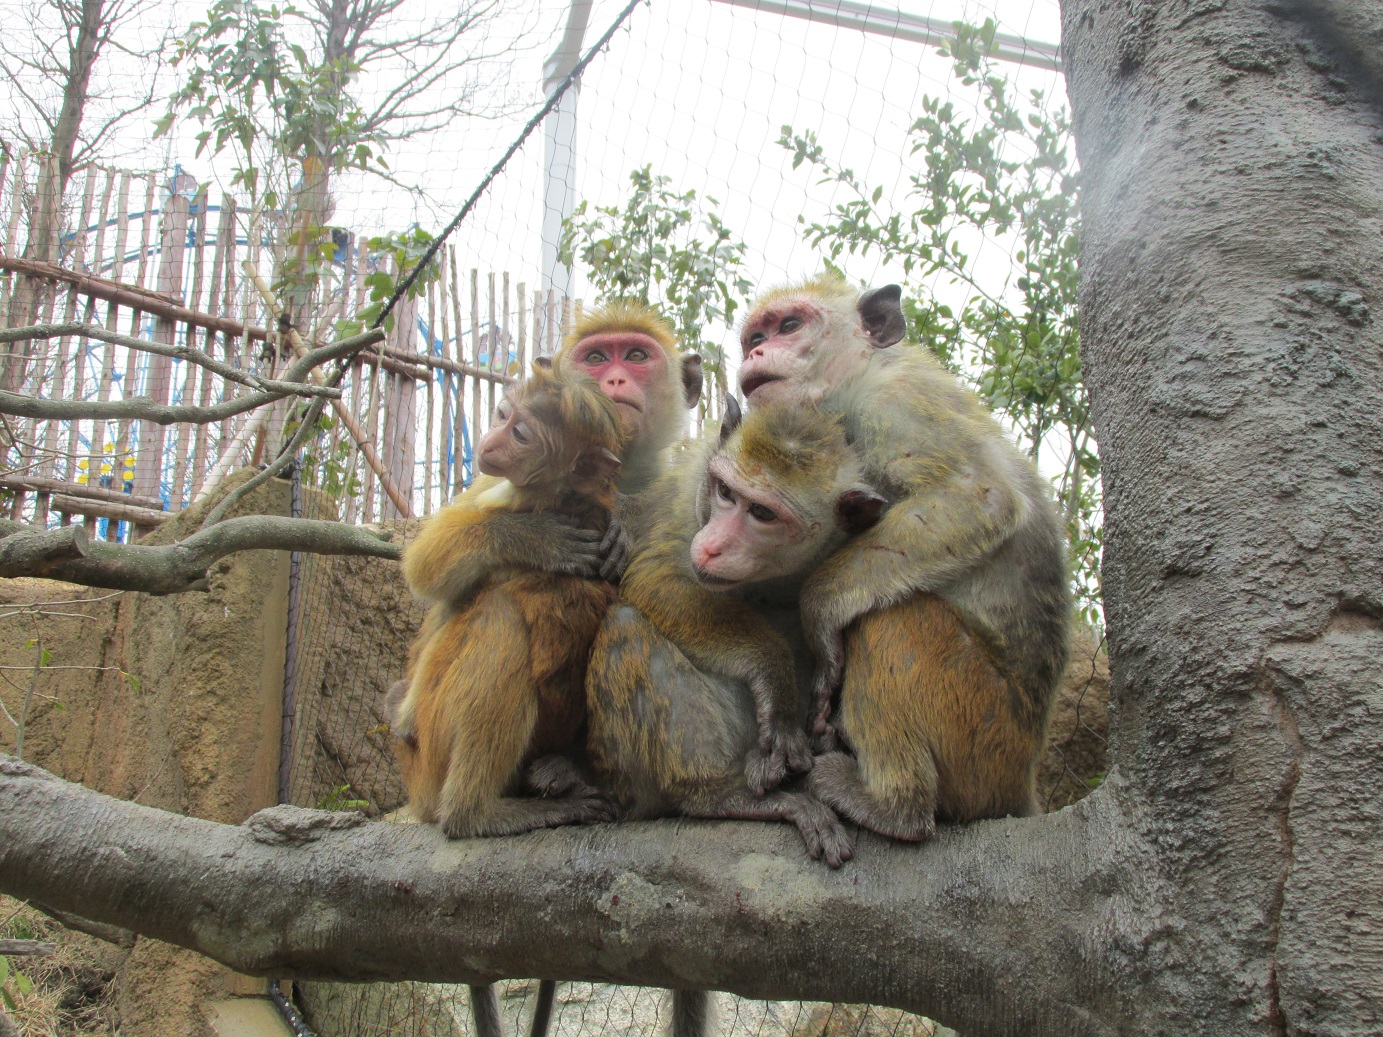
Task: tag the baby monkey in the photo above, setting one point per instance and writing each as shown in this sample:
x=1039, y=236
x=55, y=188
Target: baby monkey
x=498, y=682
x=693, y=688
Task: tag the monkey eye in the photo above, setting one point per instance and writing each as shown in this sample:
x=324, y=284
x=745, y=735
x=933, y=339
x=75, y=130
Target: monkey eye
x=637, y=355
x=789, y=325
x=724, y=492
x=522, y=433
x=502, y=411
x=756, y=338
x=595, y=356
x=762, y=514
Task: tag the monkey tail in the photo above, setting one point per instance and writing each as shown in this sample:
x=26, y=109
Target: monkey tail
x=691, y=1013
x=542, y=1008
x=485, y=1011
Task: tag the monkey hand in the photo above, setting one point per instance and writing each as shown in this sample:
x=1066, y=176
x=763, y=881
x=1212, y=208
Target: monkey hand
x=572, y=550
x=615, y=548
x=782, y=749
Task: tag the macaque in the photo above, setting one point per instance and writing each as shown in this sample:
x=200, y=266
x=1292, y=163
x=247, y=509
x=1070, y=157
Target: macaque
x=495, y=686
x=949, y=617
x=693, y=689
x=499, y=681
x=632, y=354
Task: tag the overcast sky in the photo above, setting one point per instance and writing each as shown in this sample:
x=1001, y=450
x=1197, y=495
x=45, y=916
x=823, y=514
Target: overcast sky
x=695, y=88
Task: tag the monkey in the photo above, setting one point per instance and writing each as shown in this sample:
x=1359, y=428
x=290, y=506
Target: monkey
x=948, y=618
x=705, y=636
x=632, y=354
x=689, y=671
x=499, y=681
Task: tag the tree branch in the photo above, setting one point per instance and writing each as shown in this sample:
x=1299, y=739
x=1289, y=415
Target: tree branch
x=1003, y=926
x=141, y=407
x=173, y=568
x=195, y=356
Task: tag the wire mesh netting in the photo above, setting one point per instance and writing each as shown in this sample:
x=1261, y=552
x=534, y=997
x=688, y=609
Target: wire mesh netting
x=710, y=149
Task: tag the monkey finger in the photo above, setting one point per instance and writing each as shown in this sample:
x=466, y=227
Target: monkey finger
x=764, y=771
x=796, y=751
x=596, y=809
x=615, y=549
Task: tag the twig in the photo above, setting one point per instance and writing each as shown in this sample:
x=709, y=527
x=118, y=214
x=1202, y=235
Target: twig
x=362, y=442
x=285, y=458
x=142, y=407
x=33, y=948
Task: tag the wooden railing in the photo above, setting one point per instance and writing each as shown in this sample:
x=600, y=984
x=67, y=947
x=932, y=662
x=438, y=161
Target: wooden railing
x=162, y=267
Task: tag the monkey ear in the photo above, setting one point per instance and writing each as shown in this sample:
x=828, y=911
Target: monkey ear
x=881, y=315
x=593, y=468
x=545, y=362
x=858, y=510
x=731, y=419
x=692, y=379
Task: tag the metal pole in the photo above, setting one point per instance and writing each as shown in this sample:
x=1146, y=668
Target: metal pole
x=898, y=25
x=559, y=186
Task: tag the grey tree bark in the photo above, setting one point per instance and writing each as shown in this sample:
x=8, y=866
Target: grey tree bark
x=1225, y=878
x=67, y=554
x=1233, y=198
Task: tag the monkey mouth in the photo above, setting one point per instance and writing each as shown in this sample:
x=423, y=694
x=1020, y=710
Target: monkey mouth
x=712, y=583
x=757, y=381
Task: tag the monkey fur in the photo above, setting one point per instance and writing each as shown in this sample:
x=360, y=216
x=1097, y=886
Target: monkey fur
x=950, y=616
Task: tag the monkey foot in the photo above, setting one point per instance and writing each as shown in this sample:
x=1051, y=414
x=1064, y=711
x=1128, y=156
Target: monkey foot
x=789, y=752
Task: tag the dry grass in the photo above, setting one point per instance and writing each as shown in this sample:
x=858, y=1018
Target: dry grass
x=69, y=991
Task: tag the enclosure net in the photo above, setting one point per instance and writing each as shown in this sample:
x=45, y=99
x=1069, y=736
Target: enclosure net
x=710, y=149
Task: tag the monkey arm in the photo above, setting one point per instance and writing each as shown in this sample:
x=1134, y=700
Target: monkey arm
x=926, y=542
x=463, y=545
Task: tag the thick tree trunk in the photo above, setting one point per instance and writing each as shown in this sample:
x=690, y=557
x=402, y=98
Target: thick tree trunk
x=1233, y=185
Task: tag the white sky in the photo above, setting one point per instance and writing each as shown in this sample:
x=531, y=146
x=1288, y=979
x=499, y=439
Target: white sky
x=700, y=90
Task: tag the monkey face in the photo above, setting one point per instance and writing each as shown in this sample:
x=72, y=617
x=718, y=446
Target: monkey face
x=749, y=532
x=626, y=365
x=778, y=341
x=516, y=447
x=800, y=345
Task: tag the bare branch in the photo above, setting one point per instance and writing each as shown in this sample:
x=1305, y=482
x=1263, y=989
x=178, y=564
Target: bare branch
x=194, y=356
x=142, y=407
x=173, y=568
x=35, y=948
x=674, y=904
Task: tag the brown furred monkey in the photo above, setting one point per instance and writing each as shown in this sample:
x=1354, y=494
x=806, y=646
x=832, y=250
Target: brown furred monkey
x=950, y=616
x=498, y=681
x=690, y=669
x=632, y=354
